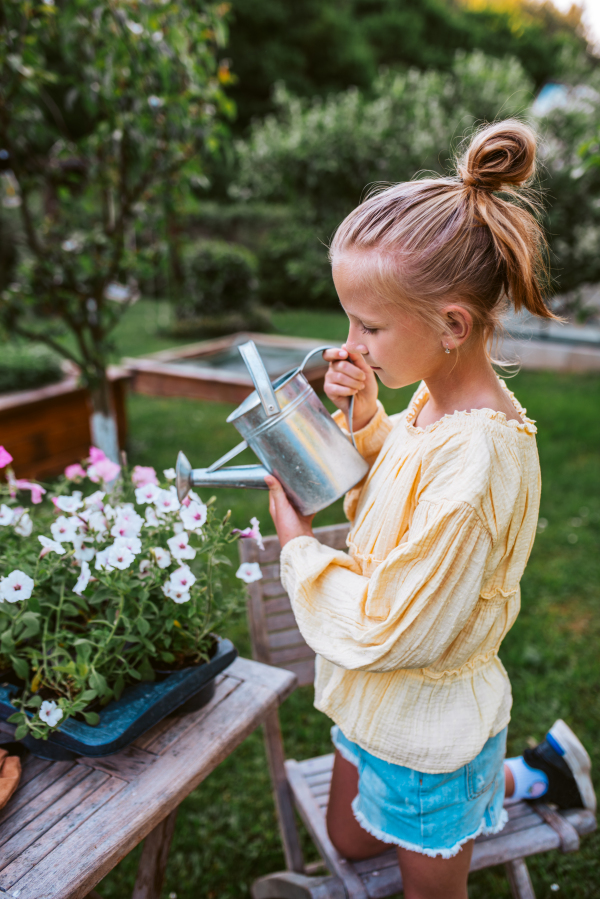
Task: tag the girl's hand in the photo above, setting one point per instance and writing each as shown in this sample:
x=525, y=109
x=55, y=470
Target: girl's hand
x=349, y=375
x=287, y=521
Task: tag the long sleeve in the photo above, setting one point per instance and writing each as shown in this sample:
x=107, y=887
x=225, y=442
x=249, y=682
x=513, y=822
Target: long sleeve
x=369, y=441
x=411, y=608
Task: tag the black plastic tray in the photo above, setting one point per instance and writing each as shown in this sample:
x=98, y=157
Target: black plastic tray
x=122, y=721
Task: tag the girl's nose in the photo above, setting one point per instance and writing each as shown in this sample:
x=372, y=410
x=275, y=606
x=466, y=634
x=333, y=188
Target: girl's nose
x=354, y=344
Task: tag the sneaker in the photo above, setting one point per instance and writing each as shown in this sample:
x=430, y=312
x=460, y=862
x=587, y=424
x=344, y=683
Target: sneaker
x=567, y=765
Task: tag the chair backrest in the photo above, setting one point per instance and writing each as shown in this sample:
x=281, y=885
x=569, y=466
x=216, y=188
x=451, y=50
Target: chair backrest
x=275, y=637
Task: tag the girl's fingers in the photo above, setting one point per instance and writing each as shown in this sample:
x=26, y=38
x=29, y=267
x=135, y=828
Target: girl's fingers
x=335, y=355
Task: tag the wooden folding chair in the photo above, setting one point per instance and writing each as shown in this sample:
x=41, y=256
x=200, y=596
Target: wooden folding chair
x=304, y=785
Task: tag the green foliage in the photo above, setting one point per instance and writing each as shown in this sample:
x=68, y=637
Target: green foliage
x=219, y=291
x=320, y=46
x=318, y=156
x=104, y=113
x=24, y=367
x=74, y=637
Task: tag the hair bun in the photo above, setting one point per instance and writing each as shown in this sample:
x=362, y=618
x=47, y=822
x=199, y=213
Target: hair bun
x=499, y=155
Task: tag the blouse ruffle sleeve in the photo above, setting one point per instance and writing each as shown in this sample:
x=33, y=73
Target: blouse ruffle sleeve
x=411, y=608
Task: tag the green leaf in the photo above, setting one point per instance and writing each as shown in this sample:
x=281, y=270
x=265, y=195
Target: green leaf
x=14, y=719
x=20, y=666
x=146, y=670
x=32, y=625
x=118, y=686
x=143, y=626
x=21, y=731
x=98, y=683
x=91, y=717
x=87, y=695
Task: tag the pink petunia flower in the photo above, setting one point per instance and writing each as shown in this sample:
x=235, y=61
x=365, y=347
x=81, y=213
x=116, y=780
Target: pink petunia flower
x=96, y=455
x=103, y=470
x=37, y=491
x=74, y=472
x=144, y=474
x=5, y=457
x=253, y=531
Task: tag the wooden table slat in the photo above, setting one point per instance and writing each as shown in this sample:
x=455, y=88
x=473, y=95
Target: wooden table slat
x=166, y=724
x=38, y=827
x=60, y=831
x=182, y=724
x=126, y=764
x=40, y=800
x=30, y=788
x=32, y=767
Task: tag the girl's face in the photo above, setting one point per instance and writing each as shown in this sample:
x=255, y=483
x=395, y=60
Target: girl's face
x=400, y=348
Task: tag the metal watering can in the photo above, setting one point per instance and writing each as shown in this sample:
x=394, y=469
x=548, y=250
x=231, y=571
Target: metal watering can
x=293, y=435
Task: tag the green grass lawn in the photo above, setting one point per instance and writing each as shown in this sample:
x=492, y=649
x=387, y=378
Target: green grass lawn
x=226, y=833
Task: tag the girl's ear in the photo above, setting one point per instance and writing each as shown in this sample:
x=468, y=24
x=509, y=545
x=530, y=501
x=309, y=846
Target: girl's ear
x=459, y=326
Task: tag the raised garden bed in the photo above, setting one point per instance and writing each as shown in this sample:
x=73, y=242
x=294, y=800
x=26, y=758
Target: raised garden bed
x=47, y=428
x=214, y=369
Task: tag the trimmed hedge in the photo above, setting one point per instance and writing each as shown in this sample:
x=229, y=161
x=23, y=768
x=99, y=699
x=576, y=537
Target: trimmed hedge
x=24, y=367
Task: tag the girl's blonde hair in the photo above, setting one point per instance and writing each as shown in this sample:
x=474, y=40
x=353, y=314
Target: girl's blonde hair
x=454, y=239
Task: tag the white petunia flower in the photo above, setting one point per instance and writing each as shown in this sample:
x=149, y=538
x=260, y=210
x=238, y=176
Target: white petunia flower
x=145, y=566
x=94, y=500
x=83, y=552
x=177, y=595
x=69, y=504
x=161, y=557
x=166, y=502
x=24, y=525
x=83, y=579
x=133, y=544
x=97, y=523
x=127, y=524
x=109, y=512
x=178, y=527
x=119, y=557
x=151, y=519
x=170, y=474
x=64, y=529
x=6, y=515
x=249, y=572
x=183, y=578
x=180, y=548
x=146, y=494
x=102, y=561
x=193, y=516
x=50, y=713
x=16, y=586
x=51, y=546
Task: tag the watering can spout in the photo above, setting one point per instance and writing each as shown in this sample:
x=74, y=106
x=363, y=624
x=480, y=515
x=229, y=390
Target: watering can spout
x=251, y=476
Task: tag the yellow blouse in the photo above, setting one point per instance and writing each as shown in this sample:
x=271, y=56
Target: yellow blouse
x=408, y=624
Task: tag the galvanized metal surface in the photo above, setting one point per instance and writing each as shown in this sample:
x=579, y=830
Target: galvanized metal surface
x=300, y=445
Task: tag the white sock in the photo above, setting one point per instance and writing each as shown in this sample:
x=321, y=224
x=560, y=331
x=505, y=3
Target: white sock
x=530, y=783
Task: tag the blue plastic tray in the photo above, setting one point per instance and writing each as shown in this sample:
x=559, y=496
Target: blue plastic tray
x=122, y=721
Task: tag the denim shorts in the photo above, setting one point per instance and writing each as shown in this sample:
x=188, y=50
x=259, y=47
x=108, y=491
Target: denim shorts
x=433, y=814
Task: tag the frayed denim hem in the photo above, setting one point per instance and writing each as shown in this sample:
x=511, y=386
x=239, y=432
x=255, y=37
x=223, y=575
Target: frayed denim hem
x=343, y=750
x=432, y=853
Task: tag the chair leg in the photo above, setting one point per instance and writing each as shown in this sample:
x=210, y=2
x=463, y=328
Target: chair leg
x=283, y=794
x=153, y=861
x=291, y=885
x=519, y=880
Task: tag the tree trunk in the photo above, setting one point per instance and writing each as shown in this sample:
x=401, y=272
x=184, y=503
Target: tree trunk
x=103, y=422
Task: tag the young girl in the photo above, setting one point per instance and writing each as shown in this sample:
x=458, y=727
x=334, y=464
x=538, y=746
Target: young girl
x=407, y=626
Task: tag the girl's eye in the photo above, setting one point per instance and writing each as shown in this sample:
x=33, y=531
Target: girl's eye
x=366, y=330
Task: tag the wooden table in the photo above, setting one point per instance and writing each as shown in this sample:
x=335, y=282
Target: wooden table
x=70, y=823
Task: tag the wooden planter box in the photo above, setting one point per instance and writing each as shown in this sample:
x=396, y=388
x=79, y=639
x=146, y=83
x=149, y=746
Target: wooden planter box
x=48, y=428
x=214, y=370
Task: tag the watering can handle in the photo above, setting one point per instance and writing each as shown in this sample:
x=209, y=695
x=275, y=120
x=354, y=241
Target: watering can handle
x=321, y=349
x=260, y=378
